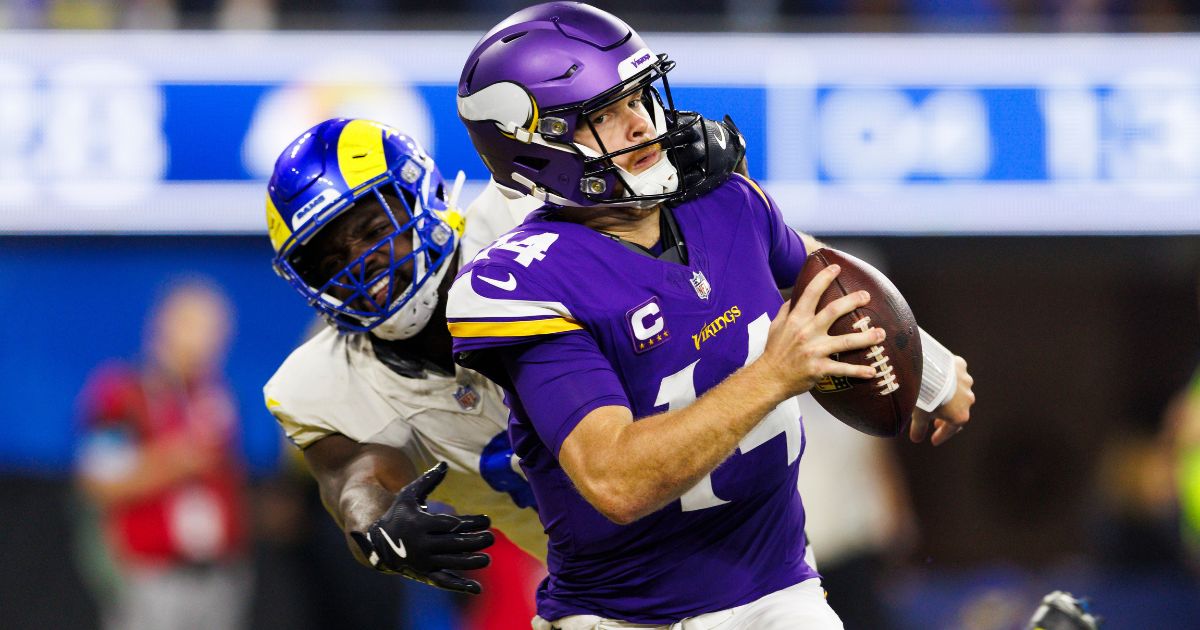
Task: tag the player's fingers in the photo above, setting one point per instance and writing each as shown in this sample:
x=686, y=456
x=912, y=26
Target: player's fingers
x=452, y=582
x=851, y=341
x=944, y=432
x=440, y=523
x=461, y=561
x=839, y=307
x=807, y=304
x=829, y=367
x=423, y=485
x=781, y=315
x=472, y=523
x=919, y=426
x=461, y=543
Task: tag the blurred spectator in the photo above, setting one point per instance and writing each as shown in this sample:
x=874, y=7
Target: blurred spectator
x=1182, y=428
x=1183, y=423
x=160, y=462
x=861, y=522
x=1137, y=532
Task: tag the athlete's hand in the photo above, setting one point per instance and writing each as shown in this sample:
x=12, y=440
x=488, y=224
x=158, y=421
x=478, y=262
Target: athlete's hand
x=951, y=416
x=423, y=546
x=709, y=152
x=799, y=347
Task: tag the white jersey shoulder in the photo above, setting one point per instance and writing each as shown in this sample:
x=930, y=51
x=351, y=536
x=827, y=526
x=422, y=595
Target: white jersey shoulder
x=334, y=383
x=490, y=215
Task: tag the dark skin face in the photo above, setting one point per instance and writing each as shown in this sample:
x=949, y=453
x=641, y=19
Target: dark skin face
x=351, y=235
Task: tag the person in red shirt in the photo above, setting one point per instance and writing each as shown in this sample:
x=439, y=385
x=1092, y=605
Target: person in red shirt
x=160, y=462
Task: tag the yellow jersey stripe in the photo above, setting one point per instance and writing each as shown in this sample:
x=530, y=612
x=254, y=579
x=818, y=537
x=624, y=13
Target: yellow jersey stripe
x=756, y=188
x=527, y=328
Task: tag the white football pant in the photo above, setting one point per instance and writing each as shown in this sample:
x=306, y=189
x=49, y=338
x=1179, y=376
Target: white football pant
x=798, y=607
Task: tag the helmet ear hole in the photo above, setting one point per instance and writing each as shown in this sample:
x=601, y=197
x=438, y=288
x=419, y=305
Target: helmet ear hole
x=471, y=73
x=531, y=163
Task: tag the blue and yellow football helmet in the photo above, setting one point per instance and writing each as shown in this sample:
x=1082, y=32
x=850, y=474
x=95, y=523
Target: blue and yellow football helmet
x=346, y=166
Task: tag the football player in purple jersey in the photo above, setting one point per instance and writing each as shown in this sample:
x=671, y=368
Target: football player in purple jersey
x=638, y=326
x=365, y=231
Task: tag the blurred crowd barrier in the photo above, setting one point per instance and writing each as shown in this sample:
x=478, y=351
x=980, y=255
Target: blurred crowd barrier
x=926, y=134
x=709, y=15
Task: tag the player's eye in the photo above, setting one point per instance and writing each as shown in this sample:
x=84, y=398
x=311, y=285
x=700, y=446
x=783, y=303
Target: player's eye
x=330, y=266
x=380, y=229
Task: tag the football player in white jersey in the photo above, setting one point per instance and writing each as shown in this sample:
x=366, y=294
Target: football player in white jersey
x=359, y=219
x=363, y=227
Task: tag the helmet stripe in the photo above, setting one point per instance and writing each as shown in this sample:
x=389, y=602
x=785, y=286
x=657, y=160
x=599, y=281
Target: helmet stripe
x=360, y=152
x=277, y=228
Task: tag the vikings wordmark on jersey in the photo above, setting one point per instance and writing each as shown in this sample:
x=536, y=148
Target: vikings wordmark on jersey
x=739, y=533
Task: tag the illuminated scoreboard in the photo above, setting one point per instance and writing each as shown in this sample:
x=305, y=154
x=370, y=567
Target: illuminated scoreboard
x=176, y=132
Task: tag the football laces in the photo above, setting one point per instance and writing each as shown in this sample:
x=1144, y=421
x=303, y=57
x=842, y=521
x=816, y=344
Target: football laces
x=885, y=380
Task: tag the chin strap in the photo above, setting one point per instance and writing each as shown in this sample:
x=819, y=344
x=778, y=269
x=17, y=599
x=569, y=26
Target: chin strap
x=660, y=179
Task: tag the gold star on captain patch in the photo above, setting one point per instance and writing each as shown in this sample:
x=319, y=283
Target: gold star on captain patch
x=641, y=346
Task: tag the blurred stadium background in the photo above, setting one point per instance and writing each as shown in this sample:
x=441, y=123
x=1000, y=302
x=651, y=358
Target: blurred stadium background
x=1028, y=174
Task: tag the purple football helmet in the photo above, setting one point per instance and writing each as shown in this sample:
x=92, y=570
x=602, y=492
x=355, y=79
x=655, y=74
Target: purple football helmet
x=537, y=77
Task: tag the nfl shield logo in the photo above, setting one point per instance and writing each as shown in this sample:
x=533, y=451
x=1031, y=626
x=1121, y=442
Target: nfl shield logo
x=701, y=285
x=467, y=398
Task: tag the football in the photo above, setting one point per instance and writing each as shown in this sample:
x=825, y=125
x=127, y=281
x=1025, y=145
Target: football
x=881, y=406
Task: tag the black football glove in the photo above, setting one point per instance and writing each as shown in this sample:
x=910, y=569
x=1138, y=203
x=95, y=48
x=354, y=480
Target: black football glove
x=707, y=155
x=1062, y=611
x=423, y=546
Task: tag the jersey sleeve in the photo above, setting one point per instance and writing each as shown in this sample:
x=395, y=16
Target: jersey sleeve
x=785, y=249
x=109, y=412
x=499, y=299
x=317, y=393
x=573, y=368
x=300, y=429
x=112, y=396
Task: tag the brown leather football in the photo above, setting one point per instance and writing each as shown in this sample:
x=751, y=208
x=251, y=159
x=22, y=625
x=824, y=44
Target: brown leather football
x=881, y=406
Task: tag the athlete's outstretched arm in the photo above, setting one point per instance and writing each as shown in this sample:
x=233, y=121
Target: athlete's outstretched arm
x=376, y=497
x=628, y=469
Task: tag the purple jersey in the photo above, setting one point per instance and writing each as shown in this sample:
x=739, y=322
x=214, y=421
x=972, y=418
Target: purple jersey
x=670, y=332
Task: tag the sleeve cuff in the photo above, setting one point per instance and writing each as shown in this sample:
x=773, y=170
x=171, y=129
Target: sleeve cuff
x=938, y=377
